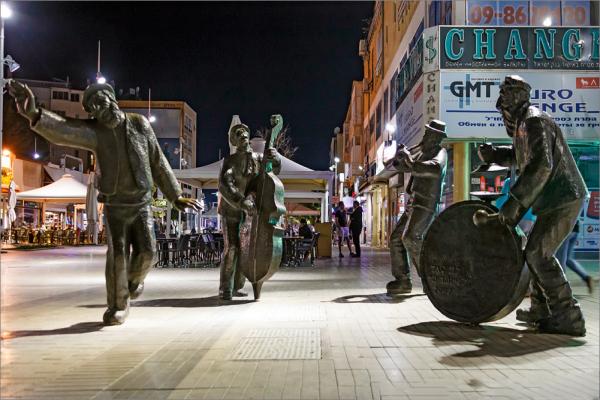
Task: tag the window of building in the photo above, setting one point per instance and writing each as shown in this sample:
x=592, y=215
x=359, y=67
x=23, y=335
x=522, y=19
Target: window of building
x=386, y=106
x=379, y=54
x=440, y=13
x=378, y=123
x=60, y=95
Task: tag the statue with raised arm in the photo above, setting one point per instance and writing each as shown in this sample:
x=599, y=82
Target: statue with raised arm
x=426, y=163
x=550, y=184
x=237, y=203
x=130, y=161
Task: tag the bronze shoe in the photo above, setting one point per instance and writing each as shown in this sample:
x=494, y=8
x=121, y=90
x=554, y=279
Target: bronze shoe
x=115, y=317
x=569, y=322
x=135, y=290
x=398, y=287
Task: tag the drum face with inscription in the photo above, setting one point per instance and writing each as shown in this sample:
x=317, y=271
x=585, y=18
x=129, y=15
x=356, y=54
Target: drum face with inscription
x=473, y=274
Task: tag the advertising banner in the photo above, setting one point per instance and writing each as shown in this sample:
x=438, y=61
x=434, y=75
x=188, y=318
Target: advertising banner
x=554, y=48
x=468, y=102
x=589, y=224
x=409, y=117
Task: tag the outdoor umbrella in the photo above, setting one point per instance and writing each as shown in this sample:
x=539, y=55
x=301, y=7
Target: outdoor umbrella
x=12, y=203
x=91, y=208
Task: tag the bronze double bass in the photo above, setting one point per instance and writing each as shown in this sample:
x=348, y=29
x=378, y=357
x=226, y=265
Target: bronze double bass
x=261, y=234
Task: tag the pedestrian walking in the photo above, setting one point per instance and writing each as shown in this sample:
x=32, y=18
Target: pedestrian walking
x=567, y=258
x=356, y=226
x=341, y=219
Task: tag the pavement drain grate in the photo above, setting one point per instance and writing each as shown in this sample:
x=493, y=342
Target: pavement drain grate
x=279, y=344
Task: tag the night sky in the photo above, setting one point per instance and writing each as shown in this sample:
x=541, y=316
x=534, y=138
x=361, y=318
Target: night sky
x=252, y=59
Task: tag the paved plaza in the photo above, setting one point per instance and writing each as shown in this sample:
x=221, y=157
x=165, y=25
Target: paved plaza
x=327, y=332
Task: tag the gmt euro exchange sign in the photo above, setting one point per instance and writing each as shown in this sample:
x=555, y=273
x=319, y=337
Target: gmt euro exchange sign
x=468, y=102
x=560, y=64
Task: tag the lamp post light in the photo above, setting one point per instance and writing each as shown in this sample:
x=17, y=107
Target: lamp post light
x=99, y=78
x=5, y=12
x=151, y=117
x=35, y=153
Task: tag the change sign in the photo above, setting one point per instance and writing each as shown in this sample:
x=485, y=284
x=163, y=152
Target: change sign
x=519, y=48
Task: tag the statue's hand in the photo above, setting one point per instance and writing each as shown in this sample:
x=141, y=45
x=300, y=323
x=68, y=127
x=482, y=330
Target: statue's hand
x=271, y=154
x=486, y=153
x=404, y=158
x=249, y=207
x=24, y=99
x=182, y=203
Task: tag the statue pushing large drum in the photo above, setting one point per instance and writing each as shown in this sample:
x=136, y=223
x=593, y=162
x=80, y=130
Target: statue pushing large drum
x=473, y=273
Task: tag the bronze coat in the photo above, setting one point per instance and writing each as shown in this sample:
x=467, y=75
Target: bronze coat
x=145, y=156
x=548, y=175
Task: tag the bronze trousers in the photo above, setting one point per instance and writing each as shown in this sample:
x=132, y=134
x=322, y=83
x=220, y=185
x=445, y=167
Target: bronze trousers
x=550, y=286
x=131, y=250
x=232, y=278
x=406, y=241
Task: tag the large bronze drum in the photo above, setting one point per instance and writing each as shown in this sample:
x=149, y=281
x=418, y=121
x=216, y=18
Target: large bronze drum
x=470, y=273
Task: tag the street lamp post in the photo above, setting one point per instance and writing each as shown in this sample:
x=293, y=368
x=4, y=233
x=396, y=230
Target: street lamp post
x=5, y=12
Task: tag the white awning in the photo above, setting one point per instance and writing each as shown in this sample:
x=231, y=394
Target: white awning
x=65, y=190
x=293, y=175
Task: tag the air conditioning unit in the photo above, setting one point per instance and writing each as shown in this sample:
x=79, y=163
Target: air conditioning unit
x=362, y=47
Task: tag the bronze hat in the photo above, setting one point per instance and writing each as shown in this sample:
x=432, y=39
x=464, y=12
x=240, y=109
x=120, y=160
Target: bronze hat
x=436, y=127
x=235, y=128
x=92, y=89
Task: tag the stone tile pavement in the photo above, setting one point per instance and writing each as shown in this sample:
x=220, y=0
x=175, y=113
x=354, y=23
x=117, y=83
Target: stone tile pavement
x=329, y=331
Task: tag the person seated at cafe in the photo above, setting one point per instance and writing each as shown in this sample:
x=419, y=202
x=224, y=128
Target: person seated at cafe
x=305, y=230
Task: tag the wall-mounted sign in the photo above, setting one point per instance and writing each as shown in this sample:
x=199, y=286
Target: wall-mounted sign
x=431, y=54
x=468, y=99
x=492, y=12
x=431, y=96
x=519, y=48
x=409, y=117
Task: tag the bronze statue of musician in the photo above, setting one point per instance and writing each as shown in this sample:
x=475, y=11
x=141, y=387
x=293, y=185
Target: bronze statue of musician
x=238, y=171
x=428, y=169
x=550, y=183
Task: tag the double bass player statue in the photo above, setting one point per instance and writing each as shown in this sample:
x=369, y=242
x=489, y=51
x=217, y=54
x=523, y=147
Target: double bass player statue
x=251, y=206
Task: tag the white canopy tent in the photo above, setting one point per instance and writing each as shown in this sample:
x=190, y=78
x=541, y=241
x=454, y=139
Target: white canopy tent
x=301, y=184
x=64, y=191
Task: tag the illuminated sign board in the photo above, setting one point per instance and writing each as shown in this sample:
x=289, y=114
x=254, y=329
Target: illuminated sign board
x=546, y=48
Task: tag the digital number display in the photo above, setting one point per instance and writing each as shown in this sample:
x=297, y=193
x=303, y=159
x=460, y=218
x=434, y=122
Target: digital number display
x=575, y=13
x=504, y=13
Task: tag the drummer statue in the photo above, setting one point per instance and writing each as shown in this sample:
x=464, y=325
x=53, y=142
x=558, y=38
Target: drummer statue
x=426, y=163
x=236, y=173
x=549, y=183
x=130, y=161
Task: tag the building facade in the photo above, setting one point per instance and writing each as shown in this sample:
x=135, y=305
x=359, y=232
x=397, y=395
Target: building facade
x=61, y=98
x=174, y=123
x=444, y=60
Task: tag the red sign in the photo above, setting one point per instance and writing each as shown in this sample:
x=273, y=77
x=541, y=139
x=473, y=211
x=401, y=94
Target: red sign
x=593, y=210
x=418, y=92
x=588, y=82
